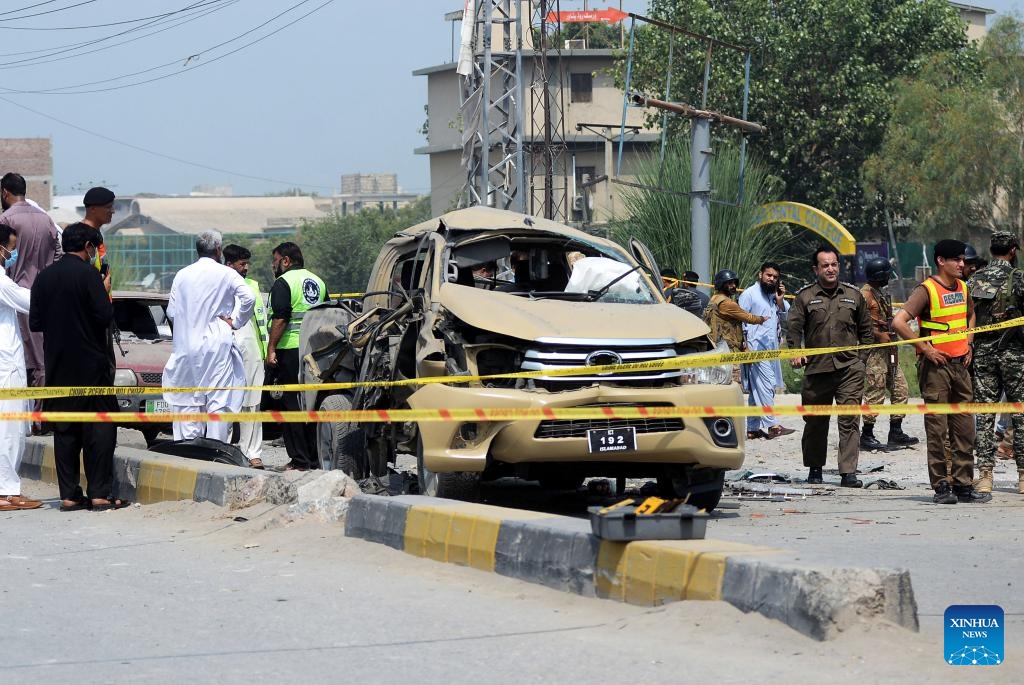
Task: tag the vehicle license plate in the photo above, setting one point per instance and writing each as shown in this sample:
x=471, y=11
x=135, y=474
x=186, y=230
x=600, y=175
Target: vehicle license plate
x=157, y=407
x=612, y=440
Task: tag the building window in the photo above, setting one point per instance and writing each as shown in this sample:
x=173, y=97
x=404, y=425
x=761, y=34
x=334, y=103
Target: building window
x=581, y=87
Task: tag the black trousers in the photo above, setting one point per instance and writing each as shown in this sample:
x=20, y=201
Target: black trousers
x=92, y=443
x=299, y=438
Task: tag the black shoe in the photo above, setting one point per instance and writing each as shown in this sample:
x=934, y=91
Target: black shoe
x=814, y=475
x=968, y=495
x=868, y=441
x=901, y=439
x=850, y=480
x=944, y=494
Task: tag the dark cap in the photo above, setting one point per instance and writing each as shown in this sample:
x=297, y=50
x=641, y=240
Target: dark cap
x=97, y=197
x=970, y=254
x=949, y=249
x=1003, y=242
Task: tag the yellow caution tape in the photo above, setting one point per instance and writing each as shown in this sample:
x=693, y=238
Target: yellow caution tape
x=338, y=296
x=690, y=361
x=507, y=415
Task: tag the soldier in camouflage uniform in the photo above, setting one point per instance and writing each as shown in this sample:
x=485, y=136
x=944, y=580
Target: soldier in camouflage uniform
x=882, y=367
x=998, y=294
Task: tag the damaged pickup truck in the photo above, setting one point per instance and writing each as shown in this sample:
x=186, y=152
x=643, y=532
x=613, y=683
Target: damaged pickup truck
x=481, y=291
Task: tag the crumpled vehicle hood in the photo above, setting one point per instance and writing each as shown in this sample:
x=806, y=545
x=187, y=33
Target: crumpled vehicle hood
x=520, y=317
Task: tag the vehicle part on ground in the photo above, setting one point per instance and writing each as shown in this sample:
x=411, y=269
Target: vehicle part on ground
x=204, y=449
x=341, y=445
x=701, y=488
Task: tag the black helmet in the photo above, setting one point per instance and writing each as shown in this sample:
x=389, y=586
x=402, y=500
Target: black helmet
x=970, y=254
x=878, y=269
x=723, y=277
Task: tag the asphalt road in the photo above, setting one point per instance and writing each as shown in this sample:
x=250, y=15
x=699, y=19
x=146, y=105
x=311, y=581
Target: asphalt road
x=181, y=591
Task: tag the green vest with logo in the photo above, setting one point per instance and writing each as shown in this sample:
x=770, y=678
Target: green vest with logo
x=307, y=290
x=259, y=317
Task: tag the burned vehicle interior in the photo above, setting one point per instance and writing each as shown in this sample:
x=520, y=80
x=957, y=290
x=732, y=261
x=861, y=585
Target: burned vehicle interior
x=472, y=303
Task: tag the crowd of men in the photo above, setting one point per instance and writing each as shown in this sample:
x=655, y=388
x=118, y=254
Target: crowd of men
x=57, y=328
x=965, y=292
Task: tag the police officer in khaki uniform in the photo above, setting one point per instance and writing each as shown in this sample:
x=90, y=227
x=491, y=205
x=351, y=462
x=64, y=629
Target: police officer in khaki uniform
x=830, y=313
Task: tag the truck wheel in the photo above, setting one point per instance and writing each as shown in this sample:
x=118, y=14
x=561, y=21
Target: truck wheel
x=702, y=487
x=340, y=444
x=462, y=485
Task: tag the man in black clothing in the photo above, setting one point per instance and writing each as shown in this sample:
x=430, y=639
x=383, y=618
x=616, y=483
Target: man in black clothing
x=70, y=305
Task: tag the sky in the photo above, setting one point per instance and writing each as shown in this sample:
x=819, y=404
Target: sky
x=164, y=95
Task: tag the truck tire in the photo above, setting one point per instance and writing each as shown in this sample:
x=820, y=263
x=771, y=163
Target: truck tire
x=461, y=485
x=340, y=444
x=700, y=487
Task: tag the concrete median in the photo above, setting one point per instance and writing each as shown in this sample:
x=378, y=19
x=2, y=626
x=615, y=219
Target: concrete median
x=561, y=553
x=146, y=477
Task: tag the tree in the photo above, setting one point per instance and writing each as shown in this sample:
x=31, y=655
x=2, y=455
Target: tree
x=951, y=160
x=342, y=249
x=821, y=75
x=661, y=220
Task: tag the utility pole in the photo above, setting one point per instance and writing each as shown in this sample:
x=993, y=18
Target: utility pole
x=547, y=105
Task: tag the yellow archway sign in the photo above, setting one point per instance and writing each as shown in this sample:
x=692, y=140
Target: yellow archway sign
x=811, y=219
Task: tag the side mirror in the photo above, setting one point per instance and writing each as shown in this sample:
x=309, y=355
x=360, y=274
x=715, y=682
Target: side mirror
x=451, y=274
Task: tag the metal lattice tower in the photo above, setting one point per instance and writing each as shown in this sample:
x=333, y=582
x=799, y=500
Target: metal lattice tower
x=549, y=196
x=492, y=116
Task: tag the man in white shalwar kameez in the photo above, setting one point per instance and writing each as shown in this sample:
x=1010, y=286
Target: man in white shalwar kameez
x=764, y=298
x=14, y=300
x=203, y=299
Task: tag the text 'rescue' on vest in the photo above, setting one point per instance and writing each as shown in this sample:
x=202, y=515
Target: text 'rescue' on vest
x=947, y=313
x=259, y=317
x=307, y=290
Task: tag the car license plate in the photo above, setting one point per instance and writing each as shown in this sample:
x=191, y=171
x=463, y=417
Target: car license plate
x=157, y=407
x=612, y=440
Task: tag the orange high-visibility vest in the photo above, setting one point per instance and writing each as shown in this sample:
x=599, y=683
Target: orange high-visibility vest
x=947, y=313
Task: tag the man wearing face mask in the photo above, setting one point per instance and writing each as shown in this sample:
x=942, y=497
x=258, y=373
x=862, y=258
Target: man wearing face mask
x=295, y=292
x=767, y=300
x=38, y=248
x=70, y=305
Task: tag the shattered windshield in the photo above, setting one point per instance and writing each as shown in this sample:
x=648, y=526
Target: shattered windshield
x=550, y=267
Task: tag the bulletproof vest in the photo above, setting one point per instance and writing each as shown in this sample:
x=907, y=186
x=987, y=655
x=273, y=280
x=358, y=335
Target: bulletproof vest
x=991, y=290
x=687, y=299
x=721, y=329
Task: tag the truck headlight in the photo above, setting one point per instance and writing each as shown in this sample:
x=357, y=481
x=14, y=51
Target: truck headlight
x=715, y=375
x=124, y=377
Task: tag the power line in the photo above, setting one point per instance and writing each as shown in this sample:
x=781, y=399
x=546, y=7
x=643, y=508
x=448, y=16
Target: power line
x=154, y=153
x=42, y=59
x=65, y=90
x=39, y=14
x=99, y=26
x=22, y=9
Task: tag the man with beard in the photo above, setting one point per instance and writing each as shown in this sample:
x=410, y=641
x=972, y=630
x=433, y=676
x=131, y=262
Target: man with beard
x=38, y=248
x=295, y=292
x=997, y=292
x=830, y=313
x=767, y=300
x=726, y=318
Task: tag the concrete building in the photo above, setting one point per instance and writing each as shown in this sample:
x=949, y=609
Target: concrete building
x=975, y=19
x=255, y=216
x=33, y=159
x=592, y=118
x=362, y=191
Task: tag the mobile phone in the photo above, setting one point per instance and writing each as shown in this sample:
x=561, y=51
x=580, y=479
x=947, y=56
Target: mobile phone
x=104, y=270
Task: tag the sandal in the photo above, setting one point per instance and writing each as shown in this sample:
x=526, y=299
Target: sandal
x=114, y=504
x=256, y=464
x=19, y=502
x=76, y=504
